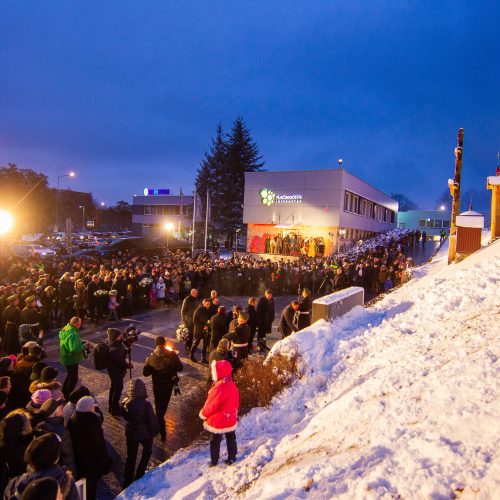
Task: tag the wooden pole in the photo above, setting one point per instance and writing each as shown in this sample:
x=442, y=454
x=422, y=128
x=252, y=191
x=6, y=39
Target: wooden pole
x=454, y=186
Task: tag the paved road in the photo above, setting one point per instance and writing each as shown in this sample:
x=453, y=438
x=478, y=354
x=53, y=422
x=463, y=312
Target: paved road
x=151, y=324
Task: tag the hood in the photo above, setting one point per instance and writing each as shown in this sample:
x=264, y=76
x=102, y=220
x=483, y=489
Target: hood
x=220, y=370
x=136, y=389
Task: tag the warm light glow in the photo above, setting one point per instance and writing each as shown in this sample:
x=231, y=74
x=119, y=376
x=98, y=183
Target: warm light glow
x=102, y=203
x=6, y=222
x=72, y=174
x=168, y=226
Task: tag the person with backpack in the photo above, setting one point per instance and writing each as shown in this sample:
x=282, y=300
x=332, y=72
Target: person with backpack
x=72, y=348
x=162, y=365
x=141, y=428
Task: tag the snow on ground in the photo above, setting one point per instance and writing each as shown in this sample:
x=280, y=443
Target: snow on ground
x=399, y=399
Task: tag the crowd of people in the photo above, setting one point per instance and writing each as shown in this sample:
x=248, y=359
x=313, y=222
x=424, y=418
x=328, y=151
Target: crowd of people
x=53, y=430
x=294, y=244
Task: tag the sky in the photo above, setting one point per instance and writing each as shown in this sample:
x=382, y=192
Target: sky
x=128, y=94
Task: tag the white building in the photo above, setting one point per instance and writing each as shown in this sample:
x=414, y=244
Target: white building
x=329, y=205
x=432, y=222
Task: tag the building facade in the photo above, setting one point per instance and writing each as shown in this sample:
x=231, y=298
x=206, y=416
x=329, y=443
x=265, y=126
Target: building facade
x=430, y=221
x=151, y=212
x=315, y=211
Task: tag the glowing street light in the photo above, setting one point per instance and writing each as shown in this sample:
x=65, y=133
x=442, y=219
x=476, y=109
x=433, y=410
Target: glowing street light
x=6, y=222
x=168, y=227
x=442, y=207
x=59, y=177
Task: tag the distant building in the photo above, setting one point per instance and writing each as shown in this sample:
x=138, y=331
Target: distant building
x=430, y=221
x=332, y=207
x=70, y=203
x=151, y=211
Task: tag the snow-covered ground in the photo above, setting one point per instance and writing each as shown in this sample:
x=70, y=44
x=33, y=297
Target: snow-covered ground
x=397, y=400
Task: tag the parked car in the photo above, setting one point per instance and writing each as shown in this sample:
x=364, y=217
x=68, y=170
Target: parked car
x=20, y=250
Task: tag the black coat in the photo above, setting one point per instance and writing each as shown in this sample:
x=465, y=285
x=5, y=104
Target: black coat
x=265, y=315
x=141, y=419
x=253, y=319
x=162, y=365
x=287, y=324
x=217, y=329
x=239, y=338
x=117, y=361
x=13, y=444
x=91, y=455
x=305, y=306
x=201, y=319
x=188, y=308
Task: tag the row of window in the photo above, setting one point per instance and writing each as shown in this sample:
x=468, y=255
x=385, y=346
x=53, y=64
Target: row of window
x=361, y=206
x=434, y=223
x=166, y=210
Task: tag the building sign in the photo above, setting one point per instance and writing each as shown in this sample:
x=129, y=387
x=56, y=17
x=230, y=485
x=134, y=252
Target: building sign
x=269, y=197
x=156, y=192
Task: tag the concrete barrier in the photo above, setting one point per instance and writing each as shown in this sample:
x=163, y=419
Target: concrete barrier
x=338, y=303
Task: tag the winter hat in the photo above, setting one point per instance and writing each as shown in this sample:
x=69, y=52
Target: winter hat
x=47, y=408
x=35, y=350
x=45, y=488
x=36, y=370
x=49, y=374
x=3, y=397
x=113, y=334
x=29, y=299
x=78, y=393
x=39, y=397
x=5, y=364
x=223, y=346
x=221, y=369
x=12, y=298
x=43, y=451
x=85, y=404
x=159, y=341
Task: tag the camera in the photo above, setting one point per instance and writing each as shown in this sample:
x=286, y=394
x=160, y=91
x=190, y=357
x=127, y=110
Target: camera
x=87, y=350
x=130, y=336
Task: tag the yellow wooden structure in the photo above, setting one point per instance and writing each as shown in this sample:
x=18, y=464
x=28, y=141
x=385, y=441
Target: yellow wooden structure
x=493, y=183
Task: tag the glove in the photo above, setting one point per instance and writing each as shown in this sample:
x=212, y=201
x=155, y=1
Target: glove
x=177, y=391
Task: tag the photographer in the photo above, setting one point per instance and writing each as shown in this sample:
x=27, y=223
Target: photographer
x=163, y=365
x=71, y=353
x=117, y=368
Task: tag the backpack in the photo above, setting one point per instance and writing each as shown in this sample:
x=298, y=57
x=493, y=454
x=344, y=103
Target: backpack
x=101, y=355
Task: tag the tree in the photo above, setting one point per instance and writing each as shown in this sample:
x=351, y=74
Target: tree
x=405, y=203
x=26, y=194
x=242, y=156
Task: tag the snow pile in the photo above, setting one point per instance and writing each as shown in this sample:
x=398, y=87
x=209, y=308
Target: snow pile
x=400, y=399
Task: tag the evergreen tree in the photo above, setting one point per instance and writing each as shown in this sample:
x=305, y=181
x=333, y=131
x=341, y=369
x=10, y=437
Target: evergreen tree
x=242, y=156
x=405, y=203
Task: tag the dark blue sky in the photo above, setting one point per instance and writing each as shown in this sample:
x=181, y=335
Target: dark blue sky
x=128, y=94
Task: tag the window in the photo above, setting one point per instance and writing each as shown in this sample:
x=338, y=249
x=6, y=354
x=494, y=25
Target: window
x=446, y=223
x=438, y=223
x=147, y=209
x=421, y=223
x=430, y=223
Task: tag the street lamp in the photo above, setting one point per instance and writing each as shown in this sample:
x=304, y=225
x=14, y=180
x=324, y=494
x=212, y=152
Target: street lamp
x=236, y=239
x=168, y=227
x=340, y=160
x=442, y=207
x=83, y=217
x=59, y=177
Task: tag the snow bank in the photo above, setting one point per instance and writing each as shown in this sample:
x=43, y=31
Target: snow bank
x=398, y=399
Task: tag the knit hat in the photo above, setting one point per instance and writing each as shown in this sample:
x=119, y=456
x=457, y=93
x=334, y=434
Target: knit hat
x=244, y=316
x=78, y=393
x=223, y=346
x=113, y=334
x=85, y=404
x=43, y=451
x=159, y=341
x=41, y=489
x=5, y=364
x=49, y=373
x=12, y=298
x=39, y=397
x=35, y=350
x=36, y=370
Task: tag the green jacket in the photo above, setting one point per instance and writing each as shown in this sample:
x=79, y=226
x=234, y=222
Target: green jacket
x=70, y=345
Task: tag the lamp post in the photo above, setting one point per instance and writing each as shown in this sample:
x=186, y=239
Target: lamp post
x=341, y=234
x=6, y=224
x=168, y=227
x=83, y=217
x=236, y=239
x=59, y=177
x=341, y=161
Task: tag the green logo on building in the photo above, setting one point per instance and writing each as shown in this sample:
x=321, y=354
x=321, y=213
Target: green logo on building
x=268, y=196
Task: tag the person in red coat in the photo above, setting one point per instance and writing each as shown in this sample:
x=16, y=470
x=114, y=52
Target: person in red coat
x=220, y=412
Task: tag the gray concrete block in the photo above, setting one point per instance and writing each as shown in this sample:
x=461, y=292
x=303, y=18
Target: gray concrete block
x=338, y=303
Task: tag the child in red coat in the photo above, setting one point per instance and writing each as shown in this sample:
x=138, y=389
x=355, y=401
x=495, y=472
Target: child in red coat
x=220, y=412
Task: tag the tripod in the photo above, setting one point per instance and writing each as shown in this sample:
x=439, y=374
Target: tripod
x=129, y=355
